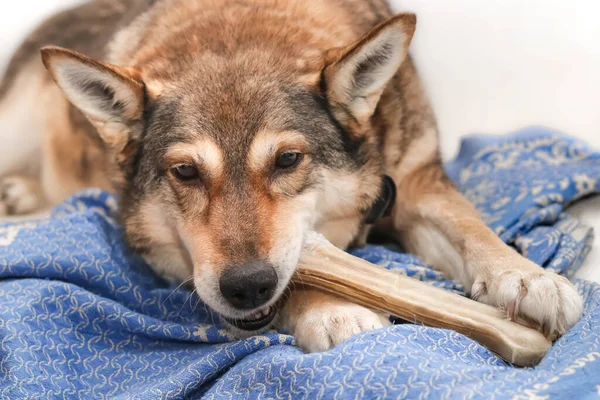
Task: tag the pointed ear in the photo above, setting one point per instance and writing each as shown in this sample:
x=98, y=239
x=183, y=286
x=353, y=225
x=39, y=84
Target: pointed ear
x=111, y=97
x=359, y=73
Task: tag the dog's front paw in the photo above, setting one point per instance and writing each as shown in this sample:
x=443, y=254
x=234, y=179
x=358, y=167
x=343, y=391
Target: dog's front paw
x=324, y=328
x=19, y=196
x=544, y=297
x=320, y=321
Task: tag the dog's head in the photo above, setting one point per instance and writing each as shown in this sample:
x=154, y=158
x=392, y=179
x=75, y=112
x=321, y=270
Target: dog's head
x=223, y=166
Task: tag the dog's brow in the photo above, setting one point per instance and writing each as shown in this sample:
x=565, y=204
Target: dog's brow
x=267, y=143
x=204, y=151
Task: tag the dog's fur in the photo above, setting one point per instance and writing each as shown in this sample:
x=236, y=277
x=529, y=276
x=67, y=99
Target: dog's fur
x=226, y=86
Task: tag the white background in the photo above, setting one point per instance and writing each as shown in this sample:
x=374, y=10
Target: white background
x=490, y=66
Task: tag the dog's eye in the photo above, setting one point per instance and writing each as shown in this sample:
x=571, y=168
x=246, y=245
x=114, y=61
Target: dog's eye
x=288, y=159
x=185, y=172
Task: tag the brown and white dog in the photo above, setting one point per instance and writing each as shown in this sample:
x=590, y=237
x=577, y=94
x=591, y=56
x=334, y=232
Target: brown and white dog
x=230, y=128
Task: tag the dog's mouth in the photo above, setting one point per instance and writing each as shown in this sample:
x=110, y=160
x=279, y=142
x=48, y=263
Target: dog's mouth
x=256, y=321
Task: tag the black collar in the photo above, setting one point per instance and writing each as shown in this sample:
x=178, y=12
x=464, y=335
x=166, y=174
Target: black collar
x=384, y=203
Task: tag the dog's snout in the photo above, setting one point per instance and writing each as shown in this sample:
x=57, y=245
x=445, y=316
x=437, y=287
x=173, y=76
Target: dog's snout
x=249, y=285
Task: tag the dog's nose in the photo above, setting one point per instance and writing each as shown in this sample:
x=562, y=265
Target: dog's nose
x=248, y=286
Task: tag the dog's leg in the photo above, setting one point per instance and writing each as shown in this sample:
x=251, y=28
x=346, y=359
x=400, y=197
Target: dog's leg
x=21, y=122
x=59, y=154
x=435, y=222
x=320, y=321
x=20, y=195
x=21, y=131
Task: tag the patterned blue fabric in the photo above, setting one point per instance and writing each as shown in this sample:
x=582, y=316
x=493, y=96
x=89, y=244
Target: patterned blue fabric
x=82, y=317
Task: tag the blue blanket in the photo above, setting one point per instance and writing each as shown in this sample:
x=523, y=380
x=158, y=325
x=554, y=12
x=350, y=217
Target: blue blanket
x=83, y=317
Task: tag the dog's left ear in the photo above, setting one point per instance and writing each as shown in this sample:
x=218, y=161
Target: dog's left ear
x=358, y=74
x=111, y=97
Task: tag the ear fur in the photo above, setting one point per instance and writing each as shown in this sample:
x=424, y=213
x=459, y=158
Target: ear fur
x=111, y=97
x=359, y=73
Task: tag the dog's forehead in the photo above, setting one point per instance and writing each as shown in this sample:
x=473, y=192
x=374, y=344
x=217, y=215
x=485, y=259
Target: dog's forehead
x=232, y=105
x=232, y=108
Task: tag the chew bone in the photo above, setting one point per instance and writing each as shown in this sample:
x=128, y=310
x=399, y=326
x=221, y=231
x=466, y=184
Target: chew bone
x=325, y=267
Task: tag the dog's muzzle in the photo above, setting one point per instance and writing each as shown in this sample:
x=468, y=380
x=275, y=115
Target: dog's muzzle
x=248, y=287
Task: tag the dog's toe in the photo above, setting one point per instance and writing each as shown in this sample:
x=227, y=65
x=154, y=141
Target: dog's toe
x=321, y=329
x=19, y=196
x=542, y=296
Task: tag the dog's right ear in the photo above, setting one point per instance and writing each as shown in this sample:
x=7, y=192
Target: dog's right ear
x=357, y=75
x=111, y=97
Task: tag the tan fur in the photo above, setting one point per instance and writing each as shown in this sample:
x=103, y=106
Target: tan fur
x=239, y=210
x=173, y=265
x=21, y=153
x=266, y=145
x=336, y=215
x=72, y=161
x=204, y=151
x=431, y=211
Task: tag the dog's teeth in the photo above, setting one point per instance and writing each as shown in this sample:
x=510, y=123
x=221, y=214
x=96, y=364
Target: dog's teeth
x=260, y=314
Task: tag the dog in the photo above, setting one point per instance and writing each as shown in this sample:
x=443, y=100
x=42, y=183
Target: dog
x=231, y=128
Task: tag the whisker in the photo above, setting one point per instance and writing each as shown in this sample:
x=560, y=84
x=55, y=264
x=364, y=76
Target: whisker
x=287, y=294
x=178, y=287
x=185, y=301
x=196, y=305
